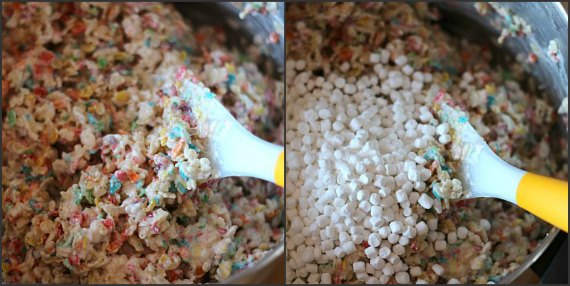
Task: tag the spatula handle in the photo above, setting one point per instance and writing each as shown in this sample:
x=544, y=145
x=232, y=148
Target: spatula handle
x=544, y=197
x=279, y=173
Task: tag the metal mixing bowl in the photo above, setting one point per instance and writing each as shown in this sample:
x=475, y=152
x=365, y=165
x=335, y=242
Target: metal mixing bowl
x=240, y=34
x=549, y=21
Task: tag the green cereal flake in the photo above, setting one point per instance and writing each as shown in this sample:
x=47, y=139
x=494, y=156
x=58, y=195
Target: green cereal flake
x=11, y=118
x=77, y=195
x=67, y=264
x=134, y=125
x=102, y=63
x=89, y=196
x=183, y=220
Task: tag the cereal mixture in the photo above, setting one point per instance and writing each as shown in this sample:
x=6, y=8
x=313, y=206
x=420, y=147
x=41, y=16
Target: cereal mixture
x=371, y=184
x=104, y=177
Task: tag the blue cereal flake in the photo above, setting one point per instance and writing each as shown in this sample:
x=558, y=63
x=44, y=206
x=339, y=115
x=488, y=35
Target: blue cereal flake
x=172, y=188
x=490, y=101
x=446, y=168
x=463, y=119
x=98, y=125
x=114, y=185
x=35, y=205
x=181, y=189
x=182, y=174
x=177, y=132
x=210, y=95
x=193, y=147
x=238, y=266
x=231, y=79
x=433, y=154
x=436, y=194
x=92, y=120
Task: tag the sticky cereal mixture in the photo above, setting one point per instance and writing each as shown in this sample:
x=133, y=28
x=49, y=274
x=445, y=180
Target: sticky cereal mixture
x=372, y=186
x=104, y=177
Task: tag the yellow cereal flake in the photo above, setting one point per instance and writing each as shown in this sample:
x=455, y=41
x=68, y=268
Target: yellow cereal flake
x=445, y=77
x=163, y=137
x=92, y=108
x=259, y=208
x=196, y=250
x=122, y=97
x=183, y=56
x=121, y=56
x=89, y=47
x=490, y=89
x=86, y=93
x=230, y=68
x=150, y=206
x=52, y=134
x=259, y=111
x=30, y=241
x=163, y=258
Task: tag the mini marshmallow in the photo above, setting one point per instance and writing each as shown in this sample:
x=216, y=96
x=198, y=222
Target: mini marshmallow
x=462, y=232
x=375, y=199
x=359, y=267
x=384, y=252
x=425, y=201
x=415, y=271
x=348, y=247
x=393, y=238
x=374, y=239
x=326, y=278
x=440, y=245
x=452, y=237
x=396, y=227
x=422, y=228
x=453, y=281
x=402, y=278
x=371, y=252
x=438, y=269
x=388, y=269
x=398, y=249
x=401, y=196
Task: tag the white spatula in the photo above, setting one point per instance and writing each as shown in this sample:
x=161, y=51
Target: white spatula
x=231, y=149
x=484, y=174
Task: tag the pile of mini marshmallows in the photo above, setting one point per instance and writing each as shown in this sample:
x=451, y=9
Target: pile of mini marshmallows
x=354, y=170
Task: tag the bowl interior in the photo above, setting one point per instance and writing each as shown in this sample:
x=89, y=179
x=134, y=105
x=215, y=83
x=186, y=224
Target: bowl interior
x=549, y=21
x=240, y=34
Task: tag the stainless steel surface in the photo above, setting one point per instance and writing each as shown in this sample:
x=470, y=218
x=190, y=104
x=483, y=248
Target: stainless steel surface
x=240, y=33
x=549, y=21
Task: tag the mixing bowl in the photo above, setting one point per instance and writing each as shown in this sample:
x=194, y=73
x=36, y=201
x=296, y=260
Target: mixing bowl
x=549, y=21
x=241, y=33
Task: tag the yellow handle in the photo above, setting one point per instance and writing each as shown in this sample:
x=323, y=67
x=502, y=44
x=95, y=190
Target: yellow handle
x=544, y=197
x=280, y=170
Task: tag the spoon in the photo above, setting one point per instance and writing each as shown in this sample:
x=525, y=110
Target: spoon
x=233, y=151
x=484, y=174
